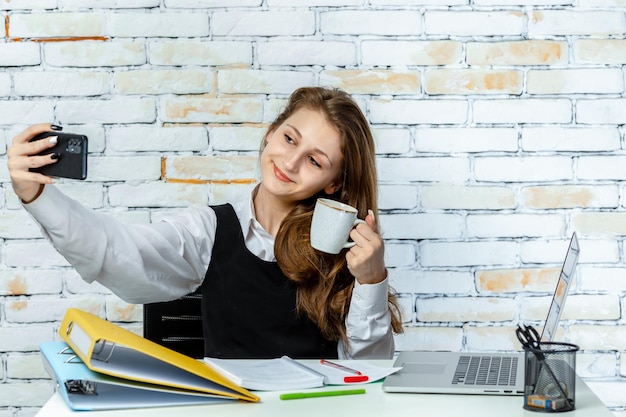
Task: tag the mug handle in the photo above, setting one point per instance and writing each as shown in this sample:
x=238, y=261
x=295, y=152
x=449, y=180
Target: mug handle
x=350, y=244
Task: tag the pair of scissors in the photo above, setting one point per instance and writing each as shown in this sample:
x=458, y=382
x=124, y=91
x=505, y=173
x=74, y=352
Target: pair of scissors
x=530, y=340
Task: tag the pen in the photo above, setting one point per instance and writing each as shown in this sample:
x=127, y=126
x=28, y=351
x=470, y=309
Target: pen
x=338, y=366
x=298, y=395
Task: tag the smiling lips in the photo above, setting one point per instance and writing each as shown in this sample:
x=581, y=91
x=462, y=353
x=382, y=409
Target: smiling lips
x=281, y=175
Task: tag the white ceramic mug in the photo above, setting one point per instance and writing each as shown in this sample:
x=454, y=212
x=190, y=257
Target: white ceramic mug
x=331, y=225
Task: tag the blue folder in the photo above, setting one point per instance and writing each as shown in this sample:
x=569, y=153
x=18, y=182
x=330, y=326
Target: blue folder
x=83, y=389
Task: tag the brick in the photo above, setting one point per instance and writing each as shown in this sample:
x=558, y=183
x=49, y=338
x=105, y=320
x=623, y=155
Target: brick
x=25, y=366
x=56, y=25
x=116, y=110
x=431, y=282
x=262, y=82
x=516, y=169
x=119, y=311
x=466, y=139
x=473, y=23
x=450, y=254
x=94, y=53
x=31, y=5
x=211, y=3
x=578, y=307
x=422, y=226
x=13, y=338
x=490, y=338
x=178, y=81
x=596, y=365
x=570, y=22
x=399, y=197
x=375, y=22
x=210, y=110
x=26, y=394
x=463, y=309
x=399, y=255
x=418, y=111
x=373, y=81
x=5, y=85
x=285, y=52
x=473, y=81
x=523, y=111
x=25, y=112
x=503, y=281
x=19, y=54
x=263, y=23
x=528, y=52
x=61, y=83
x=125, y=168
x=600, y=51
x=611, y=223
x=237, y=138
x=601, y=167
x=30, y=281
x=38, y=309
x=89, y=194
x=596, y=337
x=451, y=197
x=212, y=168
x=401, y=52
x=430, y=338
x=537, y=139
x=446, y=169
x=191, y=52
x=148, y=138
x=601, y=111
x=570, y=196
x=109, y=4
x=553, y=251
x=74, y=284
x=157, y=194
x=406, y=306
x=515, y=225
x=164, y=24
x=392, y=141
x=575, y=81
x=601, y=279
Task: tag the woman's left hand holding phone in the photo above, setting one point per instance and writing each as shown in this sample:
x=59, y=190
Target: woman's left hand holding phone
x=21, y=156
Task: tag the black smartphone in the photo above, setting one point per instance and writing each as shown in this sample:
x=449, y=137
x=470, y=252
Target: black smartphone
x=72, y=151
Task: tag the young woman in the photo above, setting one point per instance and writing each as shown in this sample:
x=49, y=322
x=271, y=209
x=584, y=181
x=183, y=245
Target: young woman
x=266, y=291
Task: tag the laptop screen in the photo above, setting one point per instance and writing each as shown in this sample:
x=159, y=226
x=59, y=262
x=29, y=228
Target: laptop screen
x=561, y=291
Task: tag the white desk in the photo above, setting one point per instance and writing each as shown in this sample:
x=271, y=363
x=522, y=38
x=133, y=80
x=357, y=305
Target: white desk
x=374, y=402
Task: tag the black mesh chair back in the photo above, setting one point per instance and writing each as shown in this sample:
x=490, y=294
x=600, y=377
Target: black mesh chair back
x=176, y=324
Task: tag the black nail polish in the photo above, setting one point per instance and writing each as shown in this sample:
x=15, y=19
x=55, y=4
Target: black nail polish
x=56, y=127
x=55, y=156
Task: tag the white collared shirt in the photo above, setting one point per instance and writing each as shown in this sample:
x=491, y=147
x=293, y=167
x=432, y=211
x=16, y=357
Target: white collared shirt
x=169, y=258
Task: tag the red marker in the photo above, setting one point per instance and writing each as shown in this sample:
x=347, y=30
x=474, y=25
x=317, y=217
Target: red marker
x=358, y=376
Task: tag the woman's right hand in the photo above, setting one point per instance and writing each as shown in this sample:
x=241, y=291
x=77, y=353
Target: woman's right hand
x=21, y=156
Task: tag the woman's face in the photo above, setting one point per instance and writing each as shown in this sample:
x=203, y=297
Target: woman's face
x=302, y=157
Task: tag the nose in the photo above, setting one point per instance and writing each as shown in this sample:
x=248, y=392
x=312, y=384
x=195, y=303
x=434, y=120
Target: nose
x=292, y=161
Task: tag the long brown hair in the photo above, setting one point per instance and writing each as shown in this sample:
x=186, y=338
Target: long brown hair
x=324, y=282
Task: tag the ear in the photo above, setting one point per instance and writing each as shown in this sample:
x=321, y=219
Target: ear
x=332, y=188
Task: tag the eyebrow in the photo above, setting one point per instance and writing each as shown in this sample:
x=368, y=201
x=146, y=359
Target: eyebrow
x=317, y=150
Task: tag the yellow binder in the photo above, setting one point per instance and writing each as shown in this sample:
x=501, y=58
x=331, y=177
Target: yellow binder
x=109, y=349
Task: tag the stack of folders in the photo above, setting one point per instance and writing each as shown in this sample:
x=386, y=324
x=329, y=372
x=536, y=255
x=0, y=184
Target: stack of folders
x=100, y=365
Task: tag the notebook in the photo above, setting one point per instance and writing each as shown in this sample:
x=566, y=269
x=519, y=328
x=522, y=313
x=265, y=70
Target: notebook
x=478, y=372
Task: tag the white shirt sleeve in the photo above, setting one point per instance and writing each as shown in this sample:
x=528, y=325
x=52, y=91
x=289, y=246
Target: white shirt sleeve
x=139, y=263
x=368, y=325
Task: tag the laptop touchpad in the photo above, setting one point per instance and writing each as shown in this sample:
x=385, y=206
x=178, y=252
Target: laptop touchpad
x=423, y=368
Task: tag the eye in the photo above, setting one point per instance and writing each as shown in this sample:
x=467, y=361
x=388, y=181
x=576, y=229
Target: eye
x=288, y=139
x=314, y=162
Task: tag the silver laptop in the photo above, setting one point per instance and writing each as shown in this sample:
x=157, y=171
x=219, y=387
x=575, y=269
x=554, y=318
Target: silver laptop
x=478, y=372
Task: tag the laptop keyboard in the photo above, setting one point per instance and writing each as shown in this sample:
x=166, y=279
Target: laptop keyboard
x=485, y=370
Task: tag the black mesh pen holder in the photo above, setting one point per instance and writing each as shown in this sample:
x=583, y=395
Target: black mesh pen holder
x=550, y=377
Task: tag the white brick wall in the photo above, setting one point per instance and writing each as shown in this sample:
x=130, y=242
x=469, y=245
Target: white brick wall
x=498, y=125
